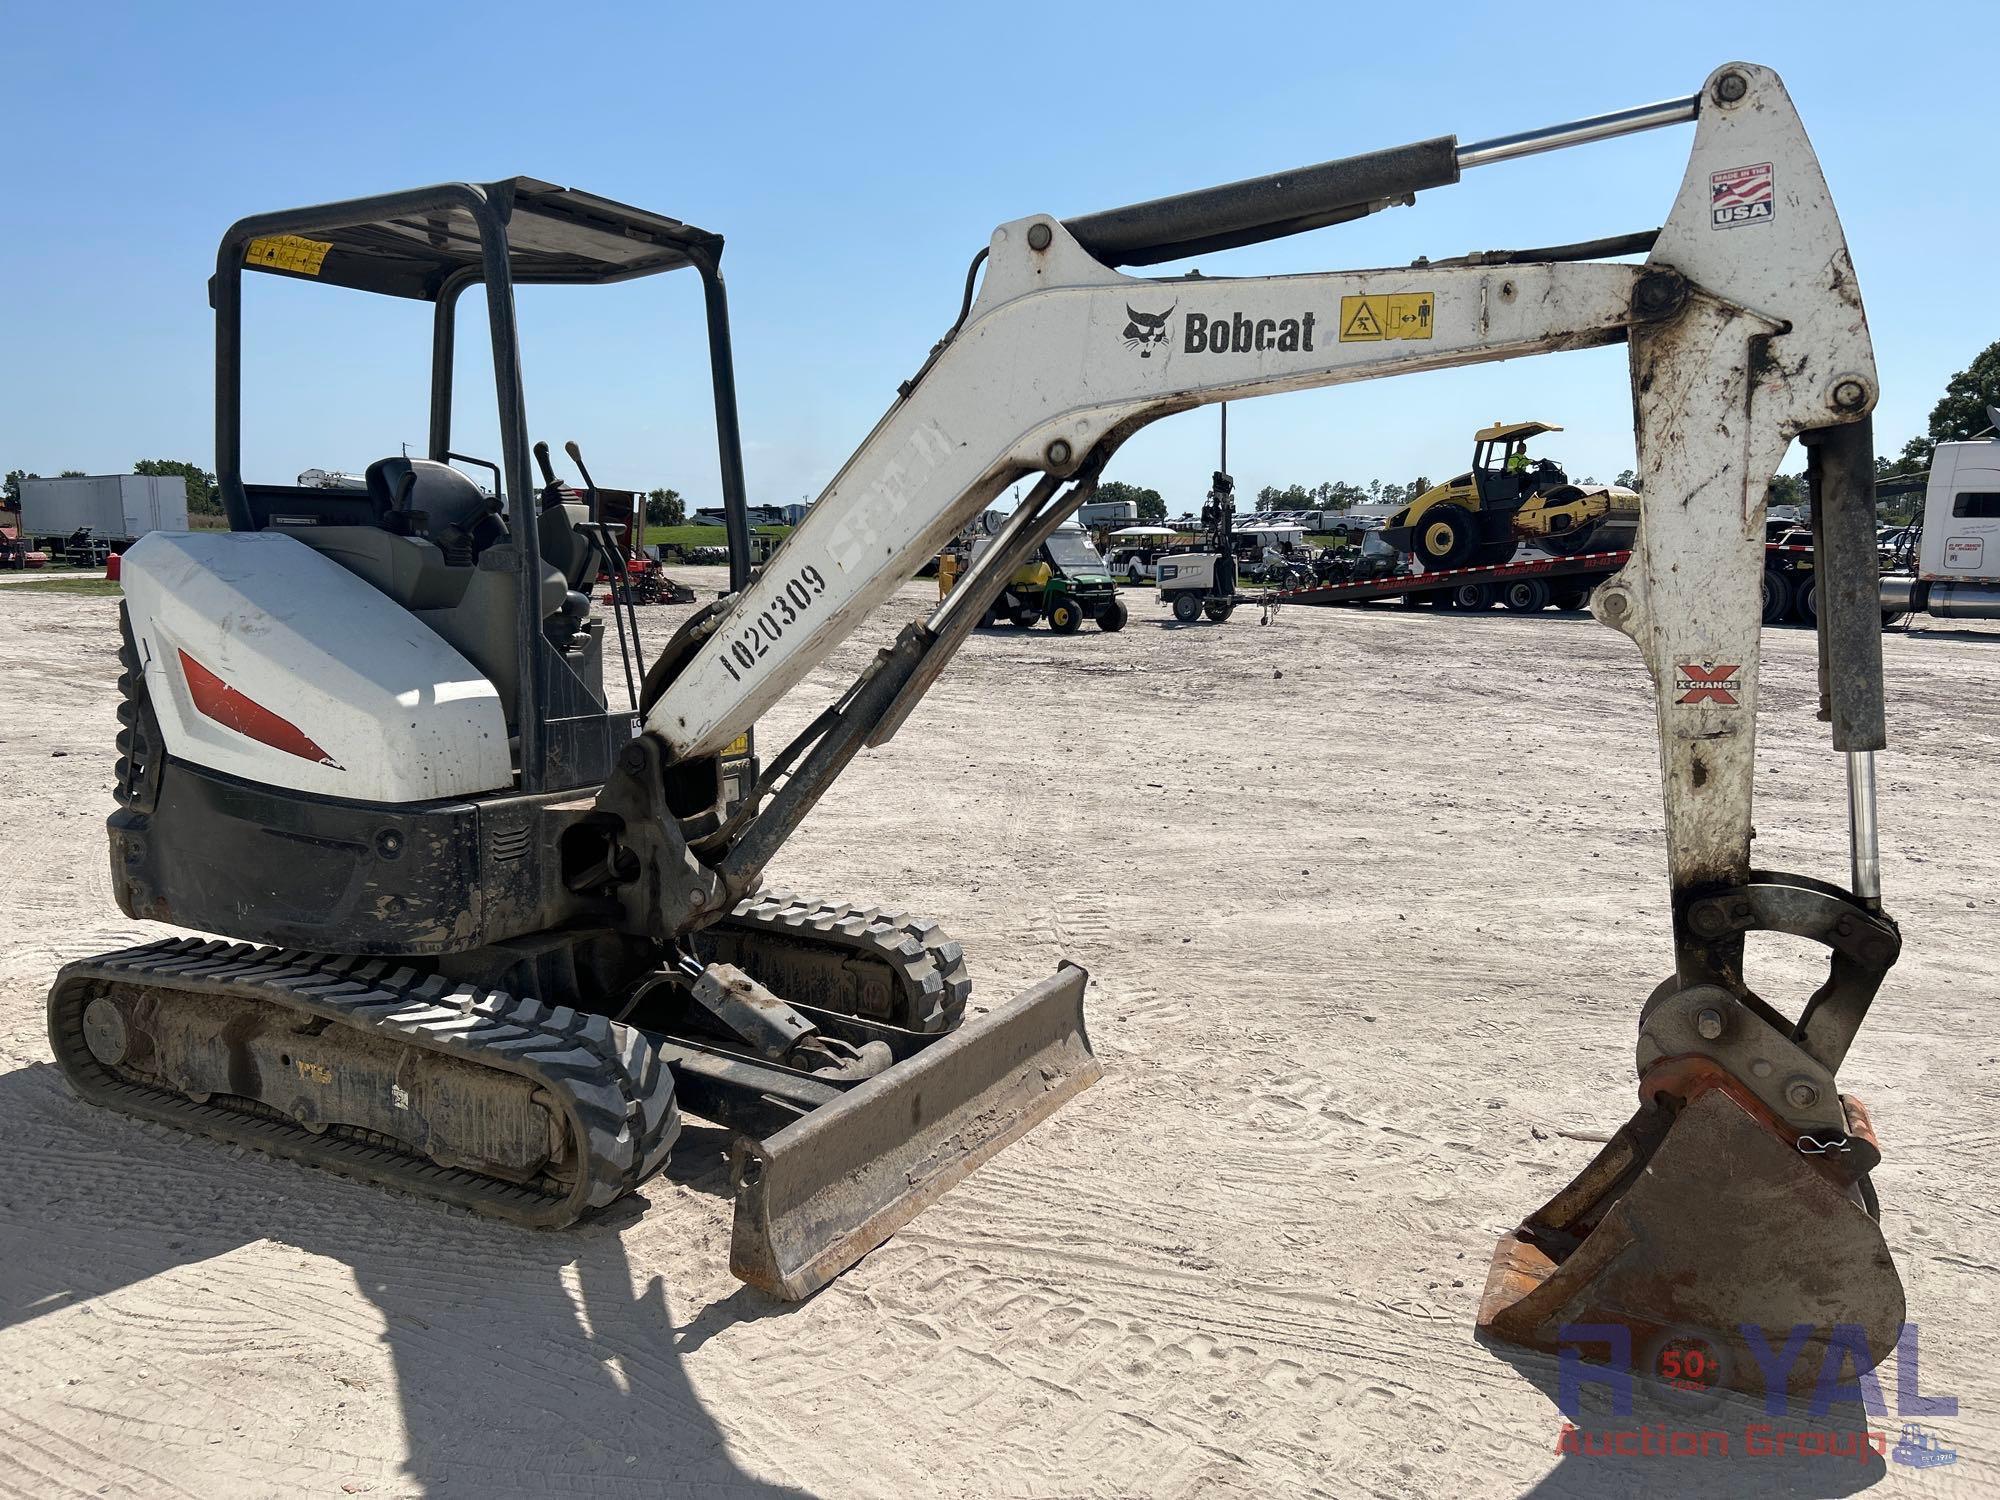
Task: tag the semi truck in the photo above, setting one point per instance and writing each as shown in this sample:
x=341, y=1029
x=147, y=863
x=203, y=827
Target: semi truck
x=1952, y=567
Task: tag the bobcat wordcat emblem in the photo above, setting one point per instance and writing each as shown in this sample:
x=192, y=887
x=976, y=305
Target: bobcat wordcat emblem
x=1145, y=331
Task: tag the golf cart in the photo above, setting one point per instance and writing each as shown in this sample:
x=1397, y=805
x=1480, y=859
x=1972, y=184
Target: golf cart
x=1134, y=551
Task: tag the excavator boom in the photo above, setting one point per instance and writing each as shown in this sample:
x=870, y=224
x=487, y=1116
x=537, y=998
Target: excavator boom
x=1059, y=352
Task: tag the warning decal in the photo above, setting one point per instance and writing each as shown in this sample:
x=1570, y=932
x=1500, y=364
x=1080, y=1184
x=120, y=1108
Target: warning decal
x=286, y=252
x=1400, y=315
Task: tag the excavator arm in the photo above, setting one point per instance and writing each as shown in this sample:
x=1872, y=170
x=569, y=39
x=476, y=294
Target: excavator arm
x=1746, y=332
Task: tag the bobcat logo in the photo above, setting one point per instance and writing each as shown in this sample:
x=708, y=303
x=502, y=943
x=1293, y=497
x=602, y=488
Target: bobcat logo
x=1145, y=331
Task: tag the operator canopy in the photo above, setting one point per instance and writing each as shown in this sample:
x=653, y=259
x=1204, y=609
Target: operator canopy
x=1502, y=432
x=555, y=235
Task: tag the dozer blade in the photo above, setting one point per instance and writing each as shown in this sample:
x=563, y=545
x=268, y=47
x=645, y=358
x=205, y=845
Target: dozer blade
x=814, y=1198
x=1706, y=1226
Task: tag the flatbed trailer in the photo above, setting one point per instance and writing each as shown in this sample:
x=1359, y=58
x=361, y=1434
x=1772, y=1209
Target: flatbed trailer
x=1510, y=583
x=1528, y=584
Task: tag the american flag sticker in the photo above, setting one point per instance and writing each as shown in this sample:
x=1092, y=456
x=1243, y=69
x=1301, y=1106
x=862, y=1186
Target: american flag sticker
x=1740, y=196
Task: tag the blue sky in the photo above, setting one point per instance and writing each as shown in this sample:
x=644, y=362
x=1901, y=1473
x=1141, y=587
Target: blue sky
x=855, y=156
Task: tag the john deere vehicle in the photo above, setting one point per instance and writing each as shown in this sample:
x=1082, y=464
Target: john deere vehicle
x=1506, y=499
x=1066, y=583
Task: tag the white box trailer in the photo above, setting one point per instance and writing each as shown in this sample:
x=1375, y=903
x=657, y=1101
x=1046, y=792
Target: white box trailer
x=1106, y=512
x=115, y=507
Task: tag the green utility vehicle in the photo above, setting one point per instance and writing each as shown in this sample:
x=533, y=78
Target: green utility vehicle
x=1067, y=583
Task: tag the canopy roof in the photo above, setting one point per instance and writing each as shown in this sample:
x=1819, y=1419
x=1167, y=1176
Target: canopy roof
x=1501, y=432
x=555, y=235
x=1145, y=531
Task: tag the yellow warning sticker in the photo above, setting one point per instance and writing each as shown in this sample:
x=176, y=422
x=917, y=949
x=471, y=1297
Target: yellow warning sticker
x=1400, y=315
x=737, y=748
x=286, y=252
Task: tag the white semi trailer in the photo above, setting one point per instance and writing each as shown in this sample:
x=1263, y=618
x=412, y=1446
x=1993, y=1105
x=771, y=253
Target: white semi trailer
x=114, y=508
x=1957, y=574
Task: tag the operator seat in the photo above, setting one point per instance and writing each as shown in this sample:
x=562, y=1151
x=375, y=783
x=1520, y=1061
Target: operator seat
x=430, y=525
x=416, y=497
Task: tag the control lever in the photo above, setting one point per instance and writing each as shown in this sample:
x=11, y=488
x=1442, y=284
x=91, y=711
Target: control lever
x=615, y=550
x=576, y=457
x=548, y=469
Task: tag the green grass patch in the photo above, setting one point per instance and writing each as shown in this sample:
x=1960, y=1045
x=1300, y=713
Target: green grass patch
x=703, y=536
x=687, y=536
x=73, y=585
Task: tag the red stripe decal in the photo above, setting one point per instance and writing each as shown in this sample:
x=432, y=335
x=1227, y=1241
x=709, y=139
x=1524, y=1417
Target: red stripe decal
x=219, y=701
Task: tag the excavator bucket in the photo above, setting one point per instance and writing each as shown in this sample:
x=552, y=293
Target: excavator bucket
x=821, y=1193
x=1702, y=1230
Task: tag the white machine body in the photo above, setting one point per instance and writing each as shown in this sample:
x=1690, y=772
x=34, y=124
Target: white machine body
x=266, y=661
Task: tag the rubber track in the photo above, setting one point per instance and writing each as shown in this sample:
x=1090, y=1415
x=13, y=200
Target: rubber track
x=927, y=966
x=615, y=1096
x=137, y=743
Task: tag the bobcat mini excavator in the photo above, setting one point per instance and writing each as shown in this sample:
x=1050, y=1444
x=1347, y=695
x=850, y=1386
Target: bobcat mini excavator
x=488, y=931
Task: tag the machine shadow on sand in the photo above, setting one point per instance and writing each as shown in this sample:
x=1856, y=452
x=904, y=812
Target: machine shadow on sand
x=1590, y=1471
x=525, y=1360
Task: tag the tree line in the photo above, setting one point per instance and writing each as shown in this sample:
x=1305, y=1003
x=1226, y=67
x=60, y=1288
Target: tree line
x=1331, y=495
x=1338, y=494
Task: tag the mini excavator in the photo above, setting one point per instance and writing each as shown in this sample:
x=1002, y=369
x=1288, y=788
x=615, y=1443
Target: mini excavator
x=482, y=931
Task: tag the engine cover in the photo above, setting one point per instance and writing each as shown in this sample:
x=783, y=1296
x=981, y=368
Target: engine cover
x=269, y=662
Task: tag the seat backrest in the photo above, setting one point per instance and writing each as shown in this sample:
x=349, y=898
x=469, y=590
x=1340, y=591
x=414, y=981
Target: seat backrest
x=446, y=497
x=564, y=546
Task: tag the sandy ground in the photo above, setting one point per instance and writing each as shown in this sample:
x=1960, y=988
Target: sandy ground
x=1370, y=900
